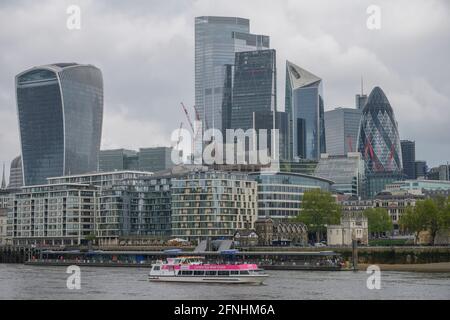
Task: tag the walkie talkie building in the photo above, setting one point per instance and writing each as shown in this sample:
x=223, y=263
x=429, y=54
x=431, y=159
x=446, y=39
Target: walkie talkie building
x=60, y=111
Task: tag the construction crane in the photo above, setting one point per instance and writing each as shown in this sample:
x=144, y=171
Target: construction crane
x=188, y=117
x=179, y=135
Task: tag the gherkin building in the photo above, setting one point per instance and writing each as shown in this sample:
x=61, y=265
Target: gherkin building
x=378, y=140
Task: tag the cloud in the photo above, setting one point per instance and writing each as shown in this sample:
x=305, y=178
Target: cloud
x=145, y=50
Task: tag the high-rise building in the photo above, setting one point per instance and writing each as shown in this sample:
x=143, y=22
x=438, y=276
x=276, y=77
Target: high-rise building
x=254, y=87
x=347, y=172
x=420, y=169
x=441, y=172
x=60, y=110
x=409, y=158
x=264, y=120
x=3, y=184
x=379, y=143
x=155, y=159
x=341, y=130
x=360, y=100
x=217, y=39
x=118, y=159
x=15, y=173
x=305, y=106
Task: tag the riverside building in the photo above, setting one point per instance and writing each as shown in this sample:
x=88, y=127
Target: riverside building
x=213, y=204
x=53, y=215
x=280, y=194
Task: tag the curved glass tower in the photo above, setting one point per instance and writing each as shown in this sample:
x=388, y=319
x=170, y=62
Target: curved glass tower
x=379, y=141
x=60, y=110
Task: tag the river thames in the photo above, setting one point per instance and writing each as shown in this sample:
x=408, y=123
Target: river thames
x=37, y=282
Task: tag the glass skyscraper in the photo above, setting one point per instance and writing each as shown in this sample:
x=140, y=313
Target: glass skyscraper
x=409, y=158
x=341, y=130
x=304, y=103
x=379, y=143
x=254, y=88
x=217, y=39
x=60, y=110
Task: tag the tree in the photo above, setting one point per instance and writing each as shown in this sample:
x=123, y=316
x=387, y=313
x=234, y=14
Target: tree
x=319, y=209
x=378, y=220
x=429, y=215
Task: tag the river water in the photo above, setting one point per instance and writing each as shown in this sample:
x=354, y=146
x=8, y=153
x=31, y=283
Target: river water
x=37, y=282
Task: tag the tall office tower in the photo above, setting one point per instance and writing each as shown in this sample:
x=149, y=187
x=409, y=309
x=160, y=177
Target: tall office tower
x=409, y=158
x=60, y=109
x=379, y=143
x=420, y=169
x=217, y=39
x=265, y=120
x=254, y=87
x=360, y=100
x=305, y=106
x=341, y=130
x=155, y=159
x=3, y=185
x=118, y=159
x=15, y=173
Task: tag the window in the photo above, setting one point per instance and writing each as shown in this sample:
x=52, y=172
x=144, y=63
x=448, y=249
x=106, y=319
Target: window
x=199, y=273
x=211, y=273
x=224, y=273
x=244, y=272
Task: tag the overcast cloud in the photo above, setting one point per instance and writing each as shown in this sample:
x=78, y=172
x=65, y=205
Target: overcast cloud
x=145, y=50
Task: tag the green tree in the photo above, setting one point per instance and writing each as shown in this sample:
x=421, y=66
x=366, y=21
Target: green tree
x=378, y=221
x=319, y=209
x=429, y=215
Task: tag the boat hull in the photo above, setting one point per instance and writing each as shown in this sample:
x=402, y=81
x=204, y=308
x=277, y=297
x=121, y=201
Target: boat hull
x=223, y=280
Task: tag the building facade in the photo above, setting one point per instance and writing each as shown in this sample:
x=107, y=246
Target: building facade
x=15, y=173
x=305, y=106
x=254, y=87
x=280, y=233
x=420, y=169
x=217, y=39
x=155, y=159
x=379, y=143
x=409, y=158
x=212, y=204
x=353, y=226
x=53, y=215
x=118, y=159
x=60, y=110
x=265, y=120
x=341, y=130
x=280, y=194
x=347, y=172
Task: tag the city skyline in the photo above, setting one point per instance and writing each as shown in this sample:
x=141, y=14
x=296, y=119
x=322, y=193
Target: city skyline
x=142, y=110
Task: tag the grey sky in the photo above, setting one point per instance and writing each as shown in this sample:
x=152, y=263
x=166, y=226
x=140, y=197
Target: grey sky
x=145, y=50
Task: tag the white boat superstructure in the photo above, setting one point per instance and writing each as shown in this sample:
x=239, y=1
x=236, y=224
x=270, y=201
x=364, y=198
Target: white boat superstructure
x=193, y=269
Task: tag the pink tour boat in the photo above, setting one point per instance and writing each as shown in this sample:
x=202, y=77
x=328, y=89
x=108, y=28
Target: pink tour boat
x=193, y=269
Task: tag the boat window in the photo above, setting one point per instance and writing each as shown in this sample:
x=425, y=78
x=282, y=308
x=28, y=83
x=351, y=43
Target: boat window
x=156, y=268
x=224, y=273
x=186, y=273
x=234, y=272
x=244, y=272
x=211, y=273
x=199, y=273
